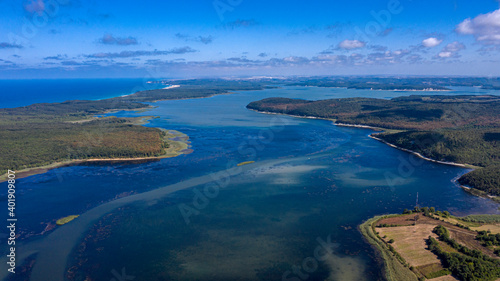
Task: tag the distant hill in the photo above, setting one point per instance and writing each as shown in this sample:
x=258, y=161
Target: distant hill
x=396, y=83
x=461, y=129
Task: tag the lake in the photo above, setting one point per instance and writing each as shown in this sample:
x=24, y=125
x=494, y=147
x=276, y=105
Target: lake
x=290, y=215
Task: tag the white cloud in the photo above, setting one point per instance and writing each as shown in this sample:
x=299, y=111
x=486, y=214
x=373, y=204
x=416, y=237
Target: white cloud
x=454, y=47
x=451, y=50
x=431, y=42
x=445, y=54
x=351, y=44
x=485, y=27
x=387, y=57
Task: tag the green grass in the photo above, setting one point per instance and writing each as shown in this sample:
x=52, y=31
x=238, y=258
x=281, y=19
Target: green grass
x=393, y=269
x=482, y=218
x=437, y=274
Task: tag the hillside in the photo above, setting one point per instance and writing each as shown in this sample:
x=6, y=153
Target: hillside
x=462, y=129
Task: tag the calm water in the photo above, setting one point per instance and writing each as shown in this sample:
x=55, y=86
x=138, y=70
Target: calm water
x=16, y=93
x=311, y=182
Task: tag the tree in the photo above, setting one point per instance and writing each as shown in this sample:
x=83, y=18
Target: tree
x=426, y=212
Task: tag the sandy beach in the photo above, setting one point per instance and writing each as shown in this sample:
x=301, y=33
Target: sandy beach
x=171, y=87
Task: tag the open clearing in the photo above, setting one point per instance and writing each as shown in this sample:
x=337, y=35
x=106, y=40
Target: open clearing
x=409, y=236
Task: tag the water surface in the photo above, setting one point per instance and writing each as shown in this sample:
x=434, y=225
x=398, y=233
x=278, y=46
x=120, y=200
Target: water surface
x=311, y=180
x=16, y=93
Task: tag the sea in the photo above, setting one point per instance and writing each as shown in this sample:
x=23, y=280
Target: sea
x=16, y=93
x=292, y=214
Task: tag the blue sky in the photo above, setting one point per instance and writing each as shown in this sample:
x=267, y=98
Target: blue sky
x=85, y=39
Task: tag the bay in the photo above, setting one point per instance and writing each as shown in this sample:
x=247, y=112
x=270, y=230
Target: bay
x=311, y=180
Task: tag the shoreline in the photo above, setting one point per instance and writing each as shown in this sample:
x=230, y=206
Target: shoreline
x=361, y=126
x=166, y=88
x=26, y=172
x=467, y=166
x=390, y=90
x=397, y=264
x=470, y=190
x=182, y=146
x=171, y=87
x=291, y=115
x=205, y=97
x=392, y=269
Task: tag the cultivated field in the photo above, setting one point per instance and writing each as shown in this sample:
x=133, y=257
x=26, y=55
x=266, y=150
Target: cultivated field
x=408, y=234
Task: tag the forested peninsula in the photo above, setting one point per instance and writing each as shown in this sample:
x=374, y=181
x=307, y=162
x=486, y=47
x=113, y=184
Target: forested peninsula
x=41, y=136
x=460, y=129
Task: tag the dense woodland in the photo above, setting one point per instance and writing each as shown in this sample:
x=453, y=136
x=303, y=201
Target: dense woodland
x=26, y=145
x=461, y=129
x=464, y=263
x=488, y=239
x=200, y=88
x=486, y=179
x=45, y=133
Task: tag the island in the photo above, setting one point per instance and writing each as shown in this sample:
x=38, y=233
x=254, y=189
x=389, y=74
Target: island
x=461, y=130
x=245, y=163
x=67, y=219
x=425, y=243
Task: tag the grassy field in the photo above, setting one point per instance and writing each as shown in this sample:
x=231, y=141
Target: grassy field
x=394, y=270
x=409, y=242
x=480, y=222
x=402, y=242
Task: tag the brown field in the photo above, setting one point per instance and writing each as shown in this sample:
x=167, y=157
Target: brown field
x=454, y=220
x=494, y=228
x=462, y=236
x=446, y=247
x=410, y=241
x=445, y=278
x=429, y=268
x=467, y=238
x=401, y=220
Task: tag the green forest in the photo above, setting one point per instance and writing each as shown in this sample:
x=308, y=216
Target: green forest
x=464, y=263
x=46, y=133
x=27, y=145
x=460, y=129
x=190, y=89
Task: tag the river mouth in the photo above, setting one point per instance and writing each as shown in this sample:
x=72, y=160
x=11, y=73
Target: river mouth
x=261, y=224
